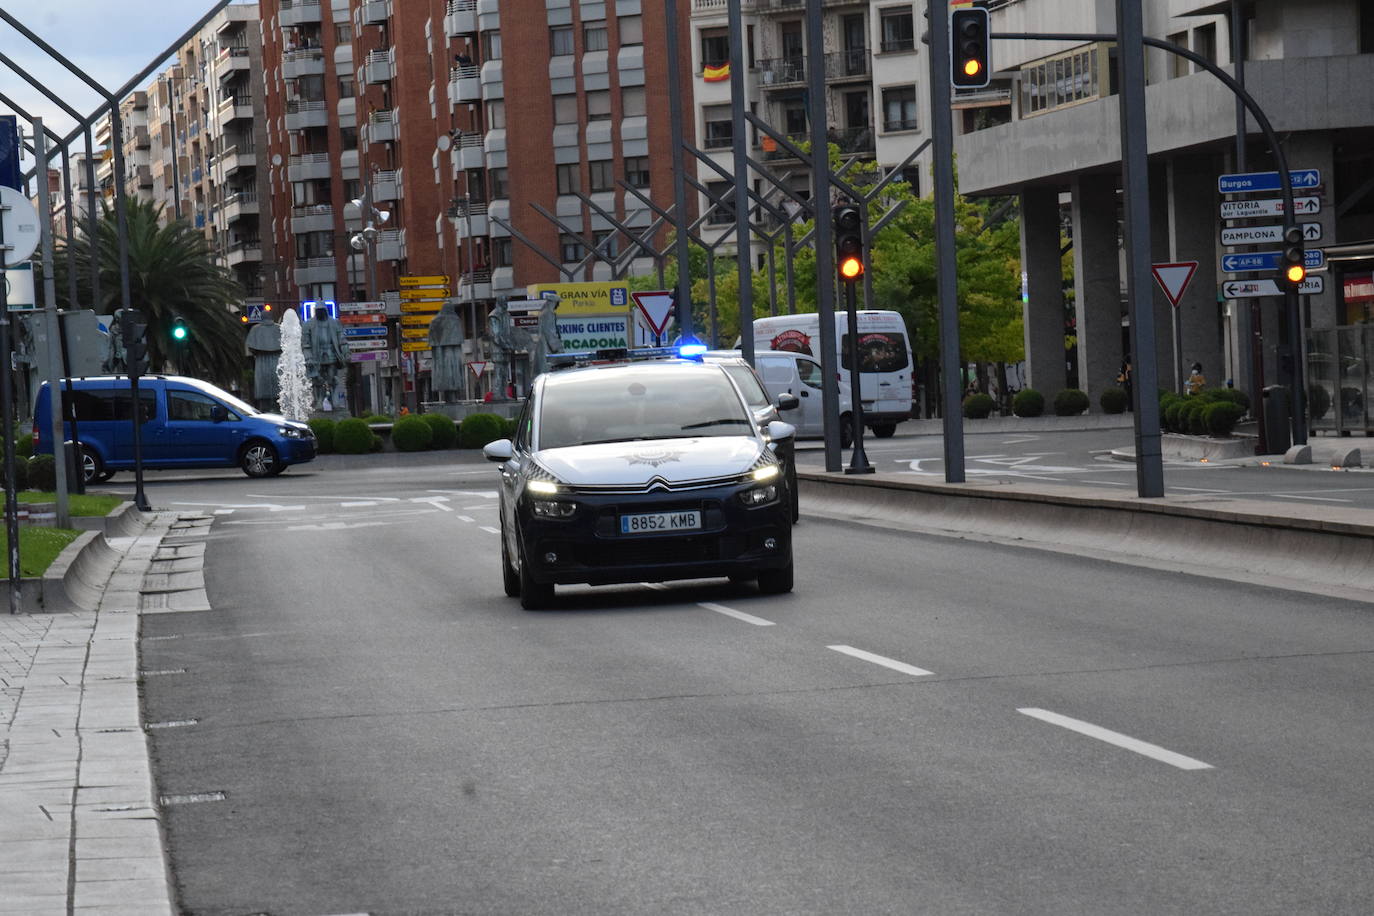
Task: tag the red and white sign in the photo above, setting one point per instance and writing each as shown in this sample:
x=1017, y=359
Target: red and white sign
x=362, y=306
x=478, y=367
x=657, y=309
x=1174, y=279
x=351, y=318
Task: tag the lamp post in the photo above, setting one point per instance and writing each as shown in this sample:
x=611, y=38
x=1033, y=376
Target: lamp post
x=362, y=219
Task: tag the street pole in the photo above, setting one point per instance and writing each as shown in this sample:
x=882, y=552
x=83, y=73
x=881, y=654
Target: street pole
x=61, y=462
x=680, y=220
x=7, y=409
x=824, y=237
x=744, y=259
x=1252, y=343
x=858, y=458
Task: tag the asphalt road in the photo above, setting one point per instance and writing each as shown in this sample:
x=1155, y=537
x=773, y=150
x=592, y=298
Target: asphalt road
x=924, y=725
x=1084, y=458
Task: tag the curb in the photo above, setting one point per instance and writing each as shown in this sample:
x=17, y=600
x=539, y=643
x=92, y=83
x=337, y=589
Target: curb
x=77, y=577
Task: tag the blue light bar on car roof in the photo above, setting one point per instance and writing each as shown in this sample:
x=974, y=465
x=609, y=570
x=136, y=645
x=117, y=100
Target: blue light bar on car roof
x=623, y=355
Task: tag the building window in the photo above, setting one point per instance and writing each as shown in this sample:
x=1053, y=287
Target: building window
x=496, y=115
x=598, y=104
x=560, y=41
x=601, y=175
x=565, y=109
x=724, y=213
x=491, y=45
x=347, y=87
x=1178, y=66
x=595, y=38
x=794, y=118
x=569, y=179
x=501, y=252
x=715, y=47
x=631, y=30
x=500, y=184
x=476, y=185
x=1063, y=80
x=1205, y=42
x=343, y=33
x=719, y=126
x=606, y=243
x=899, y=33
x=632, y=103
x=899, y=108
x=571, y=248
x=637, y=171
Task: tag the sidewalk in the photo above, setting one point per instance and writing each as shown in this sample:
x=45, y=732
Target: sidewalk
x=79, y=828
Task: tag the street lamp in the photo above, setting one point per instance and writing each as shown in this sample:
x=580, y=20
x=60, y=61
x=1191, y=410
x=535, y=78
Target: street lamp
x=362, y=219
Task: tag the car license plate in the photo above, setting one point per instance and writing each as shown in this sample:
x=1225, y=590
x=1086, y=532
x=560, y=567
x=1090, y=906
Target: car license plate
x=648, y=522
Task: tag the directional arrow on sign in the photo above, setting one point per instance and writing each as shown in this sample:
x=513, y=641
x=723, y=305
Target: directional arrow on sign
x=1254, y=289
x=1174, y=278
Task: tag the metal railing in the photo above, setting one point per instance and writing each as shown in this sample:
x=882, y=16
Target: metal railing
x=782, y=71
x=848, y=63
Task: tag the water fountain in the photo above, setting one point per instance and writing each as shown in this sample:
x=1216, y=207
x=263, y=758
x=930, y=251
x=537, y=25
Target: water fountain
x=294, y=398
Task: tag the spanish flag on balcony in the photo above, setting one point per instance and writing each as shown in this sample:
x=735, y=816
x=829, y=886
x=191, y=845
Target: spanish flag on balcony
x=716, y=74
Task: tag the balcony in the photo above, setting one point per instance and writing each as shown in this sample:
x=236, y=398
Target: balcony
x=238, y=205
x=312, y=218
x=474, y=285
x=233, y=108
x=386, y=185
x=503, y=279
x=309, y=167
x=391, y=245
x=236, y=157
x=310, y=271
x=380, y=66
x=302, y=62
x=304, y=115
x=469, y=152
x=247, y=251
x=780, y=72
x=846, y=65
x=381, y=126
x=464, y=85
x=460, y=18
x=141, y=176
x=233, y=59
x=376, y=12
x=297, y=12
x=470, y=219
x=141, y=138
x=852, y=141
x=348, y=165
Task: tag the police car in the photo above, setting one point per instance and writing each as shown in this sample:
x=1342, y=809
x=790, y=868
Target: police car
x=631, y=466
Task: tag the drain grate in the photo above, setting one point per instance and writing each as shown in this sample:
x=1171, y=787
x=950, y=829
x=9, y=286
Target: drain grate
x=192, y=799
x=174, y=723
x=161, y=671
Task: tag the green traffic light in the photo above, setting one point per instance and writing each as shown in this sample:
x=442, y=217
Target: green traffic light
x=179, y=330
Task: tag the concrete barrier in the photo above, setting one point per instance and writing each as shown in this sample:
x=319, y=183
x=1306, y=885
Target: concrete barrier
x=77, y=578
x=1327, y=551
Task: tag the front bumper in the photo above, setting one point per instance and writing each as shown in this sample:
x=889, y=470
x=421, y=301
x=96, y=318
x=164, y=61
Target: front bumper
x=589, y=548
x=296, y=451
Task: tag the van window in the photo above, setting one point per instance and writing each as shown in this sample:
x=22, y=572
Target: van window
x=809, y=372
x=776, y=371
x=192, y=405
x=879, y=351
x=108, y=404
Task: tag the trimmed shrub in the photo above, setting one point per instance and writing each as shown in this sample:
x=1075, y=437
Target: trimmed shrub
x=352, y=437
x=1222, y=417
x=1166, y=401
x=379, y=418
x=977, y=406
x=480, y=428
x=1070, y=403
x=411, y=434
x=1112, y=400
x=323, y=428
x=1197, y=417
x=42, y=473
x=1028, y=403
x=21, y=473
x=23, y=445
x=444, y=432
x=1174, y=415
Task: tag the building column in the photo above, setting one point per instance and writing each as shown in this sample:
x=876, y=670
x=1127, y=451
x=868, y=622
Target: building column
x=1193, y=218
x=1097, y=284
x=1042, y=312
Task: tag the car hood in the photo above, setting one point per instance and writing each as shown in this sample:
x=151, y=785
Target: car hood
x=633, y=463
x=277, y=419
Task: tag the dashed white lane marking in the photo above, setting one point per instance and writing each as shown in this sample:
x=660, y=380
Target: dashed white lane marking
x=465, y=518
x=491, y=530
x=359, y=504
x=475, y=508
x=738, y=615
x=1322, y=499
x=882, y=660
x=224, y=511
x=1153, y=751
x=438, y=502
x=271, y=507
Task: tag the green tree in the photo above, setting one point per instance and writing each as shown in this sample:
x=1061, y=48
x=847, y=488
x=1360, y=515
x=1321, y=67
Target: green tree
x=172, y=273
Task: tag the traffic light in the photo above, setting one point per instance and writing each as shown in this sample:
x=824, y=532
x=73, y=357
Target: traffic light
x=180, y=333
x=970, y=55
x=134, y=329
x=1292, y=264
x=849, y=242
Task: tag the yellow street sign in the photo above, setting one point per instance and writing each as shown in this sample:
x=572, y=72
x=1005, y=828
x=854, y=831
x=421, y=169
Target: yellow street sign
x=431, y=308
x=437, y=294
x=416, y=321
x=415, y=333
x=414, y=346
x=591, y=298
x=412, y=282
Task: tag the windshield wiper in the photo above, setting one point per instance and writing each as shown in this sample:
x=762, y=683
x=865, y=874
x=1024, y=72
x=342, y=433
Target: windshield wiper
x=727, y=421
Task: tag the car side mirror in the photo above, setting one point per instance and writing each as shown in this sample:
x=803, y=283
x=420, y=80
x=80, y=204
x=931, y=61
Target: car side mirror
x=218, y=413
x=778, y=431
x=500, y=450
x=787, y=401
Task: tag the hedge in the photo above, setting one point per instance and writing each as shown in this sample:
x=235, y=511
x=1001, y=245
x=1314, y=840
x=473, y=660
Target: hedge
x=1028, y=403
x=1222, y=417
x=353, y=437
x=444, y=432
x=480, y=428
x=21, y=473
x=1070, y=402
x=323, y=428
x=42, y=473
x=411, y=433
x=977, y=406
x=1112, y=400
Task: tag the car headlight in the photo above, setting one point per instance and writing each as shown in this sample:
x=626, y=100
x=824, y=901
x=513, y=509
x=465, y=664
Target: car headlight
x=541, y=487
x=767, y=472
x=552, y=508
x=759, y=496
x=290, y=432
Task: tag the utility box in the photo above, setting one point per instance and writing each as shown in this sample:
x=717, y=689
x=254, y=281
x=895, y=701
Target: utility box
x=1277, y=413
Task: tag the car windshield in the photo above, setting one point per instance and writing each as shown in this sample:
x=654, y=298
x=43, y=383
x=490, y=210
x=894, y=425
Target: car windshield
x=233, y=403
x=624, y=405
x=749, y=385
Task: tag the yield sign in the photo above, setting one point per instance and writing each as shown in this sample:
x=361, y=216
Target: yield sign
x=1173, y=278
x=657, y=308
x=478, y=367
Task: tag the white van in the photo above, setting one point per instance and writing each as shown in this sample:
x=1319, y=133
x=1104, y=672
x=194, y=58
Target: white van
x=799, y=375
x=885, y=364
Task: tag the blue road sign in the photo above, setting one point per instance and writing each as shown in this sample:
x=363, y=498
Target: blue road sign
x=1246, y=182
x=308, y=307
x=619, y=296
x=254, y=313
x=364, y=332
x=1312, y=259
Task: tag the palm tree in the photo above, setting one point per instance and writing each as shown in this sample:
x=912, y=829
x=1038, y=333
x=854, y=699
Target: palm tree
x=172, y=274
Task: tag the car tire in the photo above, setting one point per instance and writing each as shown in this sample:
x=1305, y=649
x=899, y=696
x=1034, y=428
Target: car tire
x=534, y=596
x=776, y=581
x=884, y=430
x=92, y=468
x=510, y=579
x=846, y=430
x=259, y=459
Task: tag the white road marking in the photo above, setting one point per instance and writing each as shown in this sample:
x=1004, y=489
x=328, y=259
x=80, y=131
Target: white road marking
x=465, y=518
x=1322, y=499
x=491, y=530
x=366, y=502
x=336, y=526
x=1200, y=490
x=738, y=615
x=438, y=502
x=224, y=511
x=880, y=660
x=340, y=496
x=1153, y=751
x=271, y=507
x=474, y=508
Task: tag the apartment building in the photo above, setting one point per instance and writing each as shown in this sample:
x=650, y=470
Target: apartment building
x=1310, y=66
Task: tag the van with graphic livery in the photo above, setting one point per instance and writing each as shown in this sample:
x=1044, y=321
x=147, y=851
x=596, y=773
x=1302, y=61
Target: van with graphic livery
x=885, y=363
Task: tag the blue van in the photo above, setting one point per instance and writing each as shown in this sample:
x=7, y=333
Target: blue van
x=186, y=423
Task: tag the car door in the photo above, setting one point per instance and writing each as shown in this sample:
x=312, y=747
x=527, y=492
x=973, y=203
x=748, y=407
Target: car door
x=197, y=437
x=150, y=428
x=809, y=393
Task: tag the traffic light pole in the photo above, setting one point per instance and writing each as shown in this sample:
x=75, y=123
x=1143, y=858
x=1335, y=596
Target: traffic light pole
x=858, y=459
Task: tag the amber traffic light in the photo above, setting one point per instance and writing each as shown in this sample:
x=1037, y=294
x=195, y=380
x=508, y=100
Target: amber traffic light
x=1294, y=258
x=849, y=241
x=970, y=39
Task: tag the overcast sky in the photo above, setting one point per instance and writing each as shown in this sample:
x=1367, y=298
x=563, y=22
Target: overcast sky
x=112, y=42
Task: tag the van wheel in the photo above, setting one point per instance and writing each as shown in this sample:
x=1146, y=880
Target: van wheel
x=884, y=430
x=846, y=430
x=259, y=459
x=92, y=468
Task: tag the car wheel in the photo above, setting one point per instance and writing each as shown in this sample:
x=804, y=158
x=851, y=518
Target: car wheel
x=510, y=579
x=846, y=430
x=534, y=595
x=105, y=475
x=92, y=468
x=884, y=430
x=259, y=459
x=776, y=581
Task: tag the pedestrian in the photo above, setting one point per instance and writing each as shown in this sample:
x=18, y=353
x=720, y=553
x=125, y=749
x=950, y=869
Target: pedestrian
x=1123, y=378
x=1195, y=381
